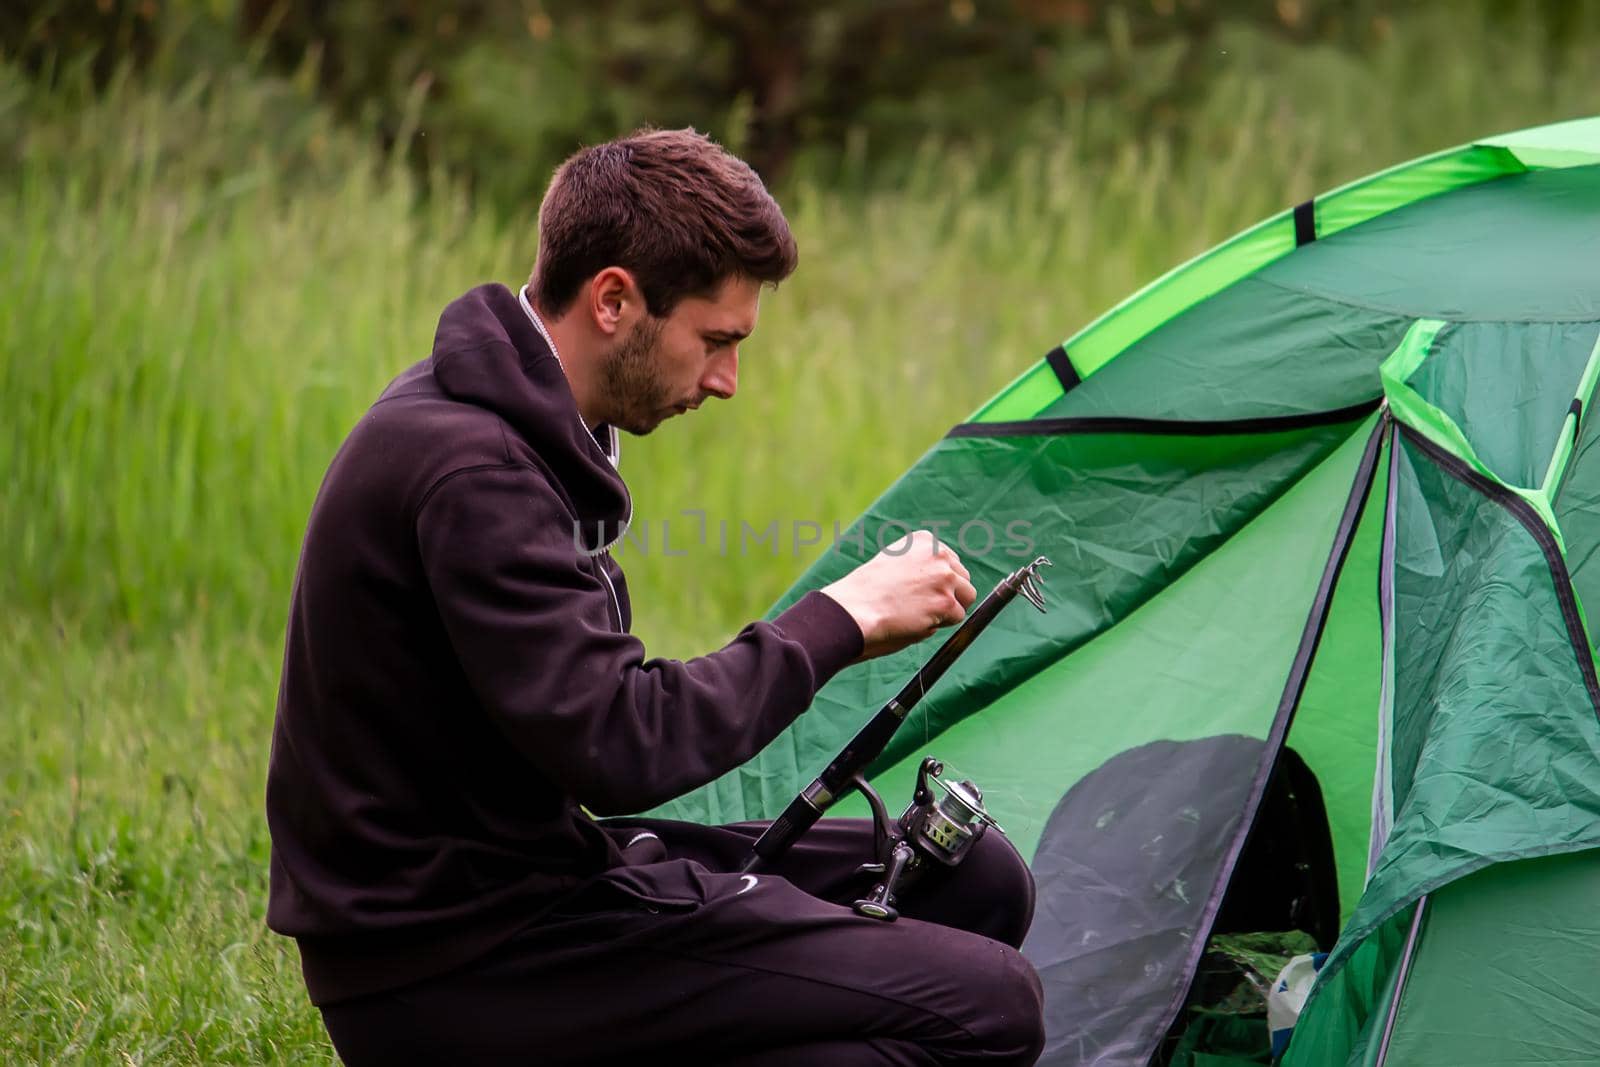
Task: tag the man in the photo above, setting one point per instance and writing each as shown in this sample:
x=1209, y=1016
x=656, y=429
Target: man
x=459, y=685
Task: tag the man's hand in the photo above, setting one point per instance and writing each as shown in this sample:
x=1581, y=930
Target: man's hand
x=905, y=593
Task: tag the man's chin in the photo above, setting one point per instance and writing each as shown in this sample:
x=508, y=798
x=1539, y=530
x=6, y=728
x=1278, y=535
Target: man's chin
x=639, y=425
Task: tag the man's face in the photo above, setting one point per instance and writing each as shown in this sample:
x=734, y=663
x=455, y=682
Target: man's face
x=667, y=366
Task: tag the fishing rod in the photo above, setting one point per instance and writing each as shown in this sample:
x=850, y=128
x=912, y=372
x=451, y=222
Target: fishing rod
x=941, y=831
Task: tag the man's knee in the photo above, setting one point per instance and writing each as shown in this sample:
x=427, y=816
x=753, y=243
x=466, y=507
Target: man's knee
x=1008, y=1020
x=998, y=888
x=1018, y=885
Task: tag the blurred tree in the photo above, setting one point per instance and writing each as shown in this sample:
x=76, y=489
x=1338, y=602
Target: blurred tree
x=771, y=76
x=43, y=38
x=499, y=90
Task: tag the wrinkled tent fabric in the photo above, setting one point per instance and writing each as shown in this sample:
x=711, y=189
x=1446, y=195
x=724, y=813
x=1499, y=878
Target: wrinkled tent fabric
x=1332, y=486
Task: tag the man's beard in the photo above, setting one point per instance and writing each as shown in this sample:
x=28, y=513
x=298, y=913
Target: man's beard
x=636, y=395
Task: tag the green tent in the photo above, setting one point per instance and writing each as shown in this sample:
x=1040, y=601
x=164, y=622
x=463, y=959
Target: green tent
x=1324, y=509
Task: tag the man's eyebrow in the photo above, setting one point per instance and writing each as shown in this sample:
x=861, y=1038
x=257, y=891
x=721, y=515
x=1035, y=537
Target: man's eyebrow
x=726, y=335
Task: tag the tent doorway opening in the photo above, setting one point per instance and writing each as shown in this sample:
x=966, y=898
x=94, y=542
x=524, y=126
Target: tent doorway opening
x=1282, y=900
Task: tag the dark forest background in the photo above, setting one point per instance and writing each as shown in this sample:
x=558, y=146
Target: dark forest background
x=499, y=90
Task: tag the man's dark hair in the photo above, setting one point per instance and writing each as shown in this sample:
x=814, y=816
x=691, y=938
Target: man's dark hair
x=673, y=207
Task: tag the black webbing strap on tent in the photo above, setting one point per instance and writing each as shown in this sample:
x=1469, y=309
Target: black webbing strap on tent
x=1305, y=223
x=1066, y=373
x=1167, y=427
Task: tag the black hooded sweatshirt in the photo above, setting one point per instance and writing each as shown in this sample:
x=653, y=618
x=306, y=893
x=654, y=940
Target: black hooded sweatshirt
x=458, y=675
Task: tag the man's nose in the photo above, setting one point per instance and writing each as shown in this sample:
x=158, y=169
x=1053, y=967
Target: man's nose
x=722, y=378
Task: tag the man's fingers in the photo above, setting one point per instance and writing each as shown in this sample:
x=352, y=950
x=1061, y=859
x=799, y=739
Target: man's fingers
x=949, y=555
x=958, y=610
x=960, y=568
x=965, y=593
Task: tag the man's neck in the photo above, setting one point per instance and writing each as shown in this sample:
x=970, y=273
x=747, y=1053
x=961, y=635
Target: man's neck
x=567, y=340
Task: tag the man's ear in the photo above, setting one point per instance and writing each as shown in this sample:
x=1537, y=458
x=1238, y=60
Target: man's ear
x=614, y=300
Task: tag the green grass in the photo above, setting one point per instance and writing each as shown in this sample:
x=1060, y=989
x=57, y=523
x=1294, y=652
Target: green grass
x=204, y=284
x=134, y=853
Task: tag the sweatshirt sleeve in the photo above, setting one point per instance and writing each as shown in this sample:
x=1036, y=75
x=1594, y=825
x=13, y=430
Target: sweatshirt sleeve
x=531, y=621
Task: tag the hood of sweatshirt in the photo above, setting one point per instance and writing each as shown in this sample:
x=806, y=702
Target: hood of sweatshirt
x=487, y=352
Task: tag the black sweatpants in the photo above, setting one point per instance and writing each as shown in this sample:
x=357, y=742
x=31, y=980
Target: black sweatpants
x=679, y=955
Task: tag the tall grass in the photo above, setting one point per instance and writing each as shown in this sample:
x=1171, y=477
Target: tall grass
x=201, y=287
x=187, y=334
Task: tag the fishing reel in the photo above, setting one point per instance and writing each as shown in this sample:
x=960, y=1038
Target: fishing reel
x=931, y=832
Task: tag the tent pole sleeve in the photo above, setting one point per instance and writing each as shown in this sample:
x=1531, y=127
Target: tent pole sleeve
x=1427, y=422
x=1562, y=457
